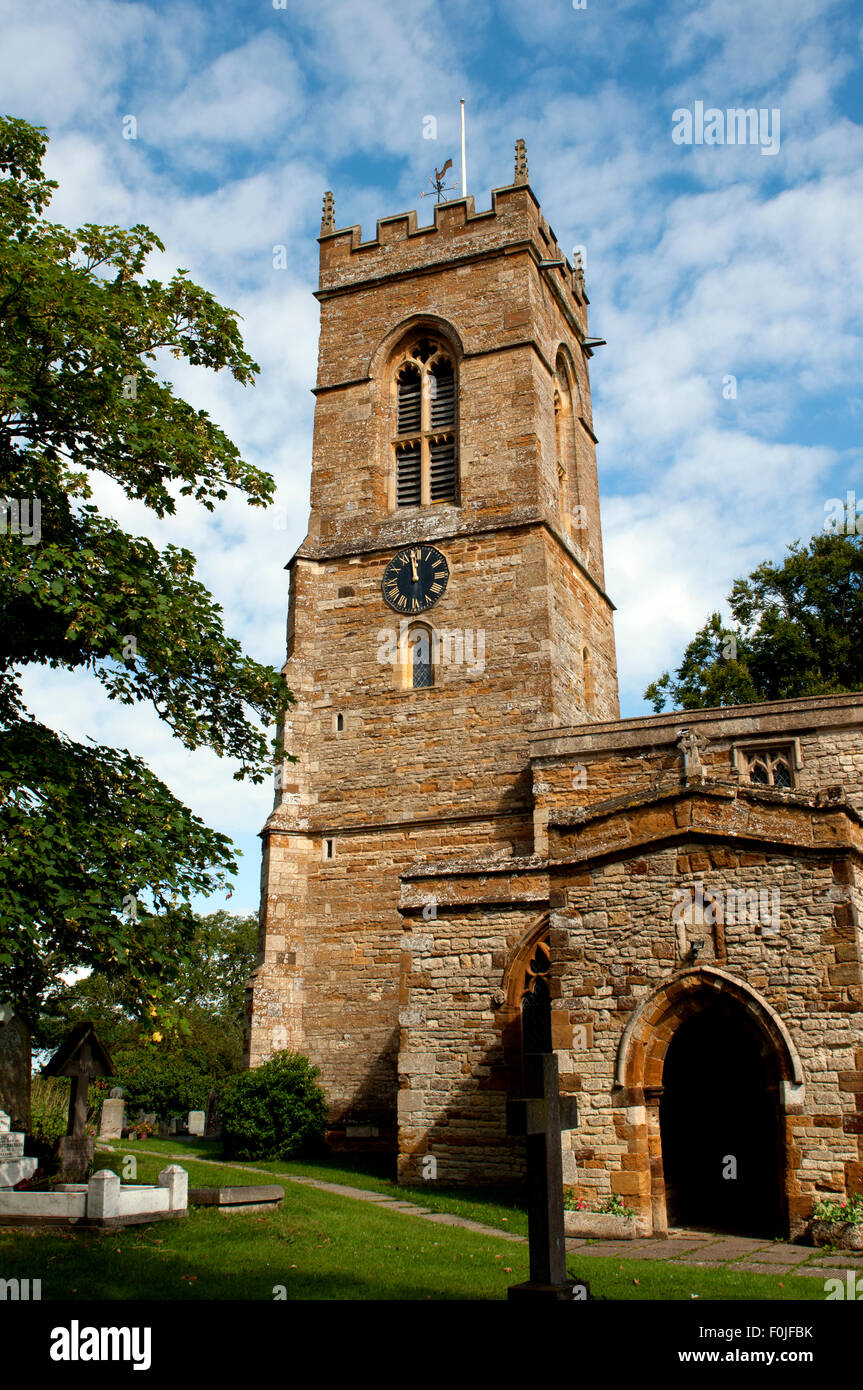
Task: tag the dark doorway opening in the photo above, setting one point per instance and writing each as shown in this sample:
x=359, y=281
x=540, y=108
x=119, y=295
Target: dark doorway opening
x=719, y=1121
x=536, y=1018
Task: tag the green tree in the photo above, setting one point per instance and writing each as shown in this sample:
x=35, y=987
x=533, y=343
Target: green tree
x=795, y=632
x=168, y=1057
x=87, y=832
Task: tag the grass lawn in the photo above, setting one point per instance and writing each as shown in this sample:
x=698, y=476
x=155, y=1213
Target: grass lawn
x=493, y=1206
x=323, y=1246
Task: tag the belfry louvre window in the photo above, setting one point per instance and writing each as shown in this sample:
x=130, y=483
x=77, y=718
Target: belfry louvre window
x=426, y=454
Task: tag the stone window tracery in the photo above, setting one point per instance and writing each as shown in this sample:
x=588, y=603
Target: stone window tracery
x=536, y=999
x=425, y=445
x=767, y=766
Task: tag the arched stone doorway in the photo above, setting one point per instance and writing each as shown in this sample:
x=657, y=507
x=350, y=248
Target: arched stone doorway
x=719, y=1124
x=705, y=1063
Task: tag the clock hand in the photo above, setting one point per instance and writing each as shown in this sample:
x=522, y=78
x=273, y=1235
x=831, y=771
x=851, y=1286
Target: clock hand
x=414, y=571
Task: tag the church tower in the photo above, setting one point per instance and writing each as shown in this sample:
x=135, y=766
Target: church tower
x=447, y=602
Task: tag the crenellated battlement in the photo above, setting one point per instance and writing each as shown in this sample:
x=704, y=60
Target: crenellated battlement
x=459, y=232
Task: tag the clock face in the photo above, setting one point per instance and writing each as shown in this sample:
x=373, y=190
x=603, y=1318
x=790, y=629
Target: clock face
x=415, y=579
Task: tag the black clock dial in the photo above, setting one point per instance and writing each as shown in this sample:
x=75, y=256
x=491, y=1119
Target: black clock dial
x=415, y=579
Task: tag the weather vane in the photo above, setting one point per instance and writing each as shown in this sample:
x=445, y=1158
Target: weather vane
x=438, y=185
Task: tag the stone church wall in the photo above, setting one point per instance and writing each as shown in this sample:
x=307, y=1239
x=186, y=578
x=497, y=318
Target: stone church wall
x=621, y=944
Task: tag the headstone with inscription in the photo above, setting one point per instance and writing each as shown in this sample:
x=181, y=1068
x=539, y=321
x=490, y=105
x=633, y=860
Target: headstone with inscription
x=111, y=1119
x=14, y=1167
x=197, y=1119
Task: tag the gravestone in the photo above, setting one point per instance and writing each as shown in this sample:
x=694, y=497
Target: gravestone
x=213, y=1122
x=111, y=1119
x=15, y=1068
x=81, y=1057
x=540, y=1117
x=13, y=1165
x=196, y=1122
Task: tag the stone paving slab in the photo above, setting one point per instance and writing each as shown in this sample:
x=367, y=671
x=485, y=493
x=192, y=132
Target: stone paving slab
x=640, y=1250
x=784, y=1255
x=725, y=1249
x=851, y=1259
x=408, y=1207
x=444, y=1218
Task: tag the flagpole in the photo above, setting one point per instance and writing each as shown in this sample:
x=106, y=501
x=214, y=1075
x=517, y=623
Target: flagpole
x=463, y=161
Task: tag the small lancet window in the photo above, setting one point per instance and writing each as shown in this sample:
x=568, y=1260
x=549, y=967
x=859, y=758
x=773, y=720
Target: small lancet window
x=422, y=669
x=587, y=672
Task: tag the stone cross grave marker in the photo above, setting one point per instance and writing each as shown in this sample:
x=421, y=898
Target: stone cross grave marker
x=82, y=1057
x=540, y=1117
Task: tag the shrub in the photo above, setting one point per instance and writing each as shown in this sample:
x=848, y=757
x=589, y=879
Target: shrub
x=49, y=1108
x=275, y=1110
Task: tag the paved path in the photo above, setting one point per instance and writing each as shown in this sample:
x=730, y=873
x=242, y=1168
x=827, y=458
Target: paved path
x=701, y=1249
x=737, y=1253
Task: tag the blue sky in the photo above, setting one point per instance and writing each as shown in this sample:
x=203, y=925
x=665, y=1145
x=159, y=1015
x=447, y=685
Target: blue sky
x=703, y=262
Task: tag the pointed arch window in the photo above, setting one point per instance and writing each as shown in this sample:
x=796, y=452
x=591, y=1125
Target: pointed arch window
x=417, y=660
x=536, y=1000
x=425, y=443
x=564, y=441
